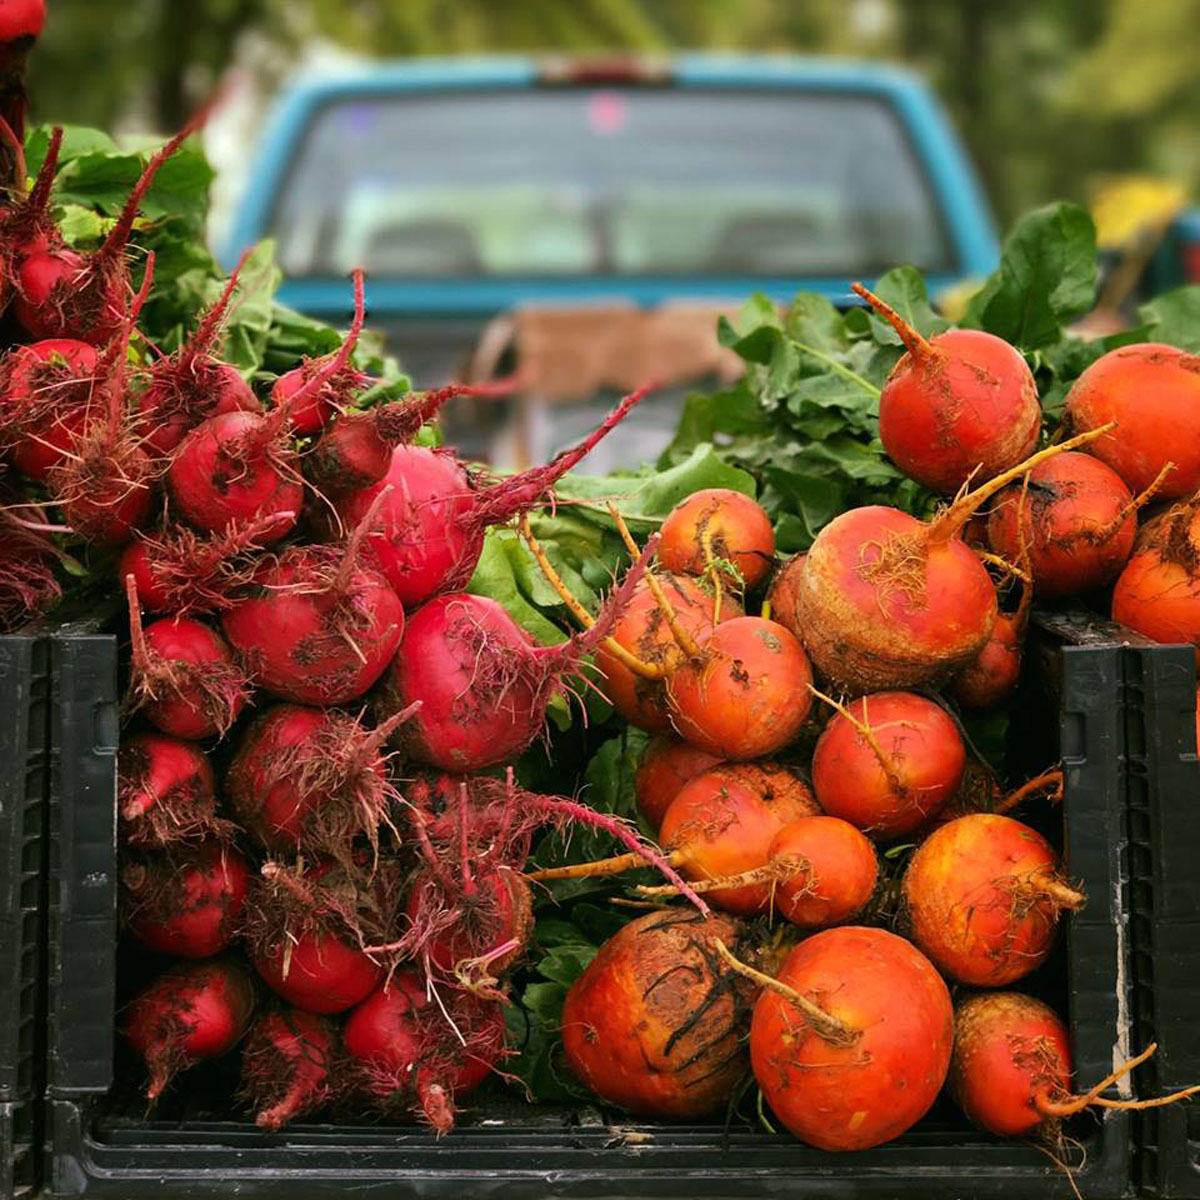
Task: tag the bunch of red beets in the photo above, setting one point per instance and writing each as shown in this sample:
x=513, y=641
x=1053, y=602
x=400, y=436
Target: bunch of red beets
x=349, y=905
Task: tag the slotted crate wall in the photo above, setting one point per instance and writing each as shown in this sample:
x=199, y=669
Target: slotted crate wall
x=24, y=715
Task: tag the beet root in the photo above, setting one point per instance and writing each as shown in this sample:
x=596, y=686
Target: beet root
x=1152, y=392
x=834, y=874
x=428, y=535
x=962, y=405
x=289, y=1066
x=482, y=682
x=983, y=894
x=305, y=928
x=1011, y=1069
x=643, y=630
x=655, y=1024
x=183, y=676
x=413, y=1054
x=747, y=694
x=165, y=792
x=888, y=762
x=186, y=903
x=722, y=823
x=192, y=1012
x=320, y=625
x=1078, y=521
x=667, y=764
x=310, y=779
x=1158, y=592
x=714, y=527
x=885, y=601
x=865, y=1058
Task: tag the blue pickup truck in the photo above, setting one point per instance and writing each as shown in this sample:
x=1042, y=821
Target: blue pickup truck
x=467, y=187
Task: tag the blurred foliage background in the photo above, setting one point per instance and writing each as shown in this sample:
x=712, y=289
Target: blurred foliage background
x=1051, y=95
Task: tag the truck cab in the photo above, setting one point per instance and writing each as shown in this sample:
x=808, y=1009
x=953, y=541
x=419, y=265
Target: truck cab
x=471, y=188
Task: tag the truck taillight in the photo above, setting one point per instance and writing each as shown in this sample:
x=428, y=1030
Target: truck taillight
x=604, y=68
x=1191, y=262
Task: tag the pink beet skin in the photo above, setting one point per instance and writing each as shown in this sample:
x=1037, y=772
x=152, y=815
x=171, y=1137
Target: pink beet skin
x=323, y=974
x=193, y=1012
x=233, y=468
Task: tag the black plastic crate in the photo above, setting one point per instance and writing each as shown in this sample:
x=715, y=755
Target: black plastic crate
x=101, y=1143
x=24, y=710
x=1164, y=816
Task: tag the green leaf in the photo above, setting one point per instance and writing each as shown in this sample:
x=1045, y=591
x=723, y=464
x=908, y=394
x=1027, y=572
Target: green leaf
x=565, y=964
x=1046, y=278
x=811, y=319
x=1174, y=318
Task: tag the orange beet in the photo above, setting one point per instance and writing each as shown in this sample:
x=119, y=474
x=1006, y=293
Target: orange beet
x=1079, y=524
x=851, y=1096
x=889, y=776
x=988, y=680
x=983, y=894
x=734, y=527
x=643, y=630
x=747, y=694
x=667, y=764
x=723, y=822
x=656, y=1024
x=781, y=595
x=1152, y=391
x=838, y=875
x=1158, y=592
x=1009, y=1050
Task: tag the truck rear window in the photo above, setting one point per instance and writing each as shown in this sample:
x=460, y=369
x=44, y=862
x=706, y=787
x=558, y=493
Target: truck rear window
x=600, y=181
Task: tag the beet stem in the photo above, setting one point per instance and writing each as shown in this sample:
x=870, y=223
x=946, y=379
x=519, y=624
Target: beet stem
x=950, y=522
x=823, y=1024
x=778, y=870
x=18, y=148
x=921, y=349
x=210, y=325
x=683, y=638
x=39, y=197
x=631, y=661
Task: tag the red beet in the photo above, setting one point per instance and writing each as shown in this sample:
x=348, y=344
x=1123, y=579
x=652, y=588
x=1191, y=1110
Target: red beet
x=185, y=903
x=236, y=467
x=1079, y=522
x=46, y=391
x=289, y=1066
x=887, y=601
x=187, y=387
x=26, y=224
x=305, y=928
x=431, y=526
x=165, y=792
x=103, y=486
x=355, y=451
x=183, y=675
x=861, y=1053
x=1152, y=392
x=28, y=587
x=417, y=1055
x=179, y=572
x=335, y=378
x=667, y=764
x=962, y=405
x=62, y=293
x=482, y=682
x=983, y=894
x=320, y=626
x=888, y=762
x=311, y=779
x=193, y=1012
